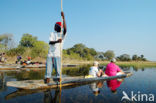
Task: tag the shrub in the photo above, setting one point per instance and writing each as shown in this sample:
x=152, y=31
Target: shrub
x=16, y=51
x=40, y=49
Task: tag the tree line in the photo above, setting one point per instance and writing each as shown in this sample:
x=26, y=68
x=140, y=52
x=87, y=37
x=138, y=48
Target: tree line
x=29, y=45
x=80, y=51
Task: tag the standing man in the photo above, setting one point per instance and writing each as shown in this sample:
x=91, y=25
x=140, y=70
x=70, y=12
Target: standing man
x=54, y=54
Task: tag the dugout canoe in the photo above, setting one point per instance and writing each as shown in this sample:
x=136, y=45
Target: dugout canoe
x=66, y=81
x=19, y=67
x=44, y=66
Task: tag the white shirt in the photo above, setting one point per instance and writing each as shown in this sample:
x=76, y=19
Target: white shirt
x=54, y=50
x=93, y=71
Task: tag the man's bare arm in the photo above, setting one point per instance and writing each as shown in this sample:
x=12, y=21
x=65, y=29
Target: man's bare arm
x=64, y=24
x=122, y=71
x=54, y=42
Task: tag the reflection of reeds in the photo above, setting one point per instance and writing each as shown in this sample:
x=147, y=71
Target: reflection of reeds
x=80, y=71
x=31, y=75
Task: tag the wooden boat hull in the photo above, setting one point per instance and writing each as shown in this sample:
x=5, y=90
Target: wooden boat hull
x=66, y=81
x=15, y=66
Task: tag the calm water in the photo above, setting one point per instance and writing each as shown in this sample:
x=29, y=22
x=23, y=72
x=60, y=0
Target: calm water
x=143, y=81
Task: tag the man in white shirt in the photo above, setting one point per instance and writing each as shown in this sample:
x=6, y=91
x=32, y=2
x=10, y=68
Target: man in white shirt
x=54, y=54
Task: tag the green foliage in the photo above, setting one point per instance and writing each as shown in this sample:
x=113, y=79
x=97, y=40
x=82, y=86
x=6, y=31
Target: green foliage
x=28, y=40
x=134, y=57
x=124, y=57
x=93, y=51
x=1, y=48
x=78, y=49
x=142, y=56
x=16, y=51
x=27, y=75
x=30, y=46
x=109, y=54
x=40, y=49
x=138, y=58
x=81, y=51
x=71, y=56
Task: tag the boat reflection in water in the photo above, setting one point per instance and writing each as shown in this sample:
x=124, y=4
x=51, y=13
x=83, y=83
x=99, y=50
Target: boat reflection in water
x=95, y=87
x=54, y=95
x=111, y=84
x=114, y=84
x=2, y=81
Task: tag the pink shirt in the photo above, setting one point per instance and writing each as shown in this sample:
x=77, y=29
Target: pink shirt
x=112, y=69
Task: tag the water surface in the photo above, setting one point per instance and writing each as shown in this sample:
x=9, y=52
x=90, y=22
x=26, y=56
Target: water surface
x=141, y=82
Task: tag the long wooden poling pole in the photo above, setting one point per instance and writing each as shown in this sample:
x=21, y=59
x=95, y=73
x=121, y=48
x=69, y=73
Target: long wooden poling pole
x=61, y=53
x=61, y=44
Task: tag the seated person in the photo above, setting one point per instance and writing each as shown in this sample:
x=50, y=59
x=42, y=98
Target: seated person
x=112, y=69
x=94, y=72
x=19, y=58
x=29, y=60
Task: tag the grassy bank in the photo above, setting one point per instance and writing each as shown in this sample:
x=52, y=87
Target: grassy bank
x=138, y=64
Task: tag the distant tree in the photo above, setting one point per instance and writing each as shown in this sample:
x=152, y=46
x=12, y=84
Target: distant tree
x=6, y=41
x=109, y=54
x=139, y=58
x=79, y=48
x=124, y=57
x=28, y=40
x=135, y=57
x=40, y=49
x=142, y=56
x=144, y=59
x=82, y=51
x=89, y=57
x=92, y=51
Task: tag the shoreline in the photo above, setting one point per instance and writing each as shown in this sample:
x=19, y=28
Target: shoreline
x=120, y=63
x=137, y=64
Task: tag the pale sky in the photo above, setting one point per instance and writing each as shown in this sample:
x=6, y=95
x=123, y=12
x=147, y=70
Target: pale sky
x=124, y=26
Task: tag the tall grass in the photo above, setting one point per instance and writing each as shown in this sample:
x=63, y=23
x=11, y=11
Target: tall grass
x=137, y=64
